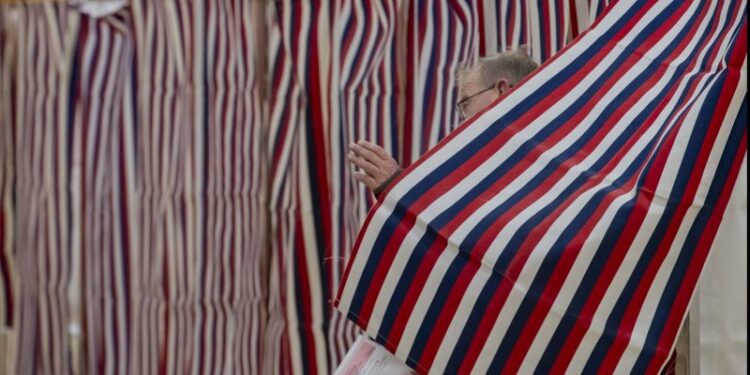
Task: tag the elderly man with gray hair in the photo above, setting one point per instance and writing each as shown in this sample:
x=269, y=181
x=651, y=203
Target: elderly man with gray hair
x=478, y=86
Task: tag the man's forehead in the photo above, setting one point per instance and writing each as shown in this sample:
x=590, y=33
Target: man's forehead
x=467, y=86
x=469, y=80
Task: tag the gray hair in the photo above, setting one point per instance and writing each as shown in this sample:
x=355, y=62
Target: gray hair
x=512, y=66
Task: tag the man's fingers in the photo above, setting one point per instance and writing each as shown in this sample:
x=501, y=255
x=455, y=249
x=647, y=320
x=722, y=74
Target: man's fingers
x=366, y=179
x=365, y=153
x=377, y=150
x=362, y=163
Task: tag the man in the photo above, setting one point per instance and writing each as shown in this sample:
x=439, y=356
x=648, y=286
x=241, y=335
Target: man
x=478, y=86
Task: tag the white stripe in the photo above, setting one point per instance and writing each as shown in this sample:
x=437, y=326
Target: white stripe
x=292, y=323
x=551, y=24
x=491, y=32
x=533, y=31
x=92, y=228
x=518, y=20
x=47, y=194
x=582, y=15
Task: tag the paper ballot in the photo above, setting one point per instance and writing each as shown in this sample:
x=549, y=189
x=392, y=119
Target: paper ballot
x=366, y=357
x=98, y=8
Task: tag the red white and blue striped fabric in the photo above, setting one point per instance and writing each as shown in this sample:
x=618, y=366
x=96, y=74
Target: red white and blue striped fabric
x=157, y=202
x=196, y=191
x=502, y=25
x=543, y=26
x=340, y=72
x=564, y=227
x=310, y=210
x=133, y=187
x=439, y=36
x=549, y=26
x=62, y=197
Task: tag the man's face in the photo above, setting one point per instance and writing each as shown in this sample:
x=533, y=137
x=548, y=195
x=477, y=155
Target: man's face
x=473, y=96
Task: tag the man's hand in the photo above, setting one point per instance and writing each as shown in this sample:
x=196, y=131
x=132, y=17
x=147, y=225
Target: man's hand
x=376, y=165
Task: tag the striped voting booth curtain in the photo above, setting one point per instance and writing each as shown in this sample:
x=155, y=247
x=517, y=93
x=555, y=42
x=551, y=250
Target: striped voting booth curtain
x=564, y=227
x=342, y=71
x=64, y=209
x=131, y=177
x=543, y=27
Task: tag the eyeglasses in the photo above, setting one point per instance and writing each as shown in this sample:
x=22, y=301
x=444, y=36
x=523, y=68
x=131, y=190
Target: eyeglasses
x=462, y=104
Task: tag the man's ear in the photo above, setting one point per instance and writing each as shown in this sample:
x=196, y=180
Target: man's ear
x=502, y=86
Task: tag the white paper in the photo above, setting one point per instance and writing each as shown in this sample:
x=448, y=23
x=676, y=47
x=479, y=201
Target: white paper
x=98, y=8
x=366, y=357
